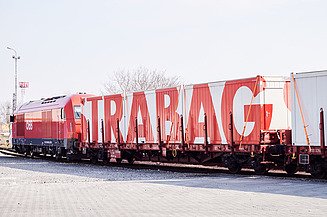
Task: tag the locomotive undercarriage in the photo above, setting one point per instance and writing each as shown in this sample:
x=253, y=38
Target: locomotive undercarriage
x=36, y=150
x=54, y=148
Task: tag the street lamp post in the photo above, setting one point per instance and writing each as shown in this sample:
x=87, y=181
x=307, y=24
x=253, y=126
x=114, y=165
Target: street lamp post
x=14, y=101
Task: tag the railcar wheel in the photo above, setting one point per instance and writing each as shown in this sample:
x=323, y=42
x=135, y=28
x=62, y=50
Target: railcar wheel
x=234, y=167
x=94, y=159
x=317, y=171
x=105, y=161
x=261, y=170
x=232, y=164
x=290, y=169
x=131, y=160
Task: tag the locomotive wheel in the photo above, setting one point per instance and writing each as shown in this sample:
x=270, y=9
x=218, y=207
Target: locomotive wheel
x=32, y=154
x=58, y=157
x=69, y=158
x=44, y=152
x=78, y=157
x=291, y=169
x=317, y=171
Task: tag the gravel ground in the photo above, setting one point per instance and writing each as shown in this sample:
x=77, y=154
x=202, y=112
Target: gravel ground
x=37, y=187
x=51, y=171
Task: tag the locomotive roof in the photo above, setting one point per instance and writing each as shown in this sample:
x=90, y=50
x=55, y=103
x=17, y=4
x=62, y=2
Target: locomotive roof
x=44, y=104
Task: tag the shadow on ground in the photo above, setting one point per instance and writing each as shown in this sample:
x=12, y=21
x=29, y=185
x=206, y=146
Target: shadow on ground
x=187, y=177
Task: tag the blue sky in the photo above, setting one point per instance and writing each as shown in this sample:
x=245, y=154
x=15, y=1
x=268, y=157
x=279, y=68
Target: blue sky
x=73, y=46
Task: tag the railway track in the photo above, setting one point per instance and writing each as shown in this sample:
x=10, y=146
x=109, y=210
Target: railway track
x=182, y=168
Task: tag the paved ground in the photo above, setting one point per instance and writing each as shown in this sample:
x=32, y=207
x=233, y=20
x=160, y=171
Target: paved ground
x=45, y=188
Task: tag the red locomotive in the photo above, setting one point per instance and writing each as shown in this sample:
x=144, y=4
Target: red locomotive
x=48, y=126
x=238, y=123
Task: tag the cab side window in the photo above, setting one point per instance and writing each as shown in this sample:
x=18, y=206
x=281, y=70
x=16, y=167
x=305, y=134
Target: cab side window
x=77, y=111
x=62, y=114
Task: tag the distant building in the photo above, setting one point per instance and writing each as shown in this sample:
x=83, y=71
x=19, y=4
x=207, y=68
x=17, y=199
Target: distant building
x=4, y=133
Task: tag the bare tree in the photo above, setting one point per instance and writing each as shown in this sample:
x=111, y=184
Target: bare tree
x=5, y=108
x=139, y=79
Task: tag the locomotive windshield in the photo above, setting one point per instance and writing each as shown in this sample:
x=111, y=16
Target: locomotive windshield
x=77, y=111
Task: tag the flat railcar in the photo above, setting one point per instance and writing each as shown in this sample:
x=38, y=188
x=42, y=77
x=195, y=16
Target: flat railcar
x=238, y=123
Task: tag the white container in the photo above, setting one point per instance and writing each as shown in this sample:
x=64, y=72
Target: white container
x=310, y=94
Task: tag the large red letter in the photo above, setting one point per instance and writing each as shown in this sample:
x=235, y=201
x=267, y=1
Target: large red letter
x=94, y=101
x=140, y=111
x=167, y=103
x=113, y=110
x=201, y=104
x=259, y=116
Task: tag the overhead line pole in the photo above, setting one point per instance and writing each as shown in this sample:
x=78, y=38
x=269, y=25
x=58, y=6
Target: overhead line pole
x=15, y=57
